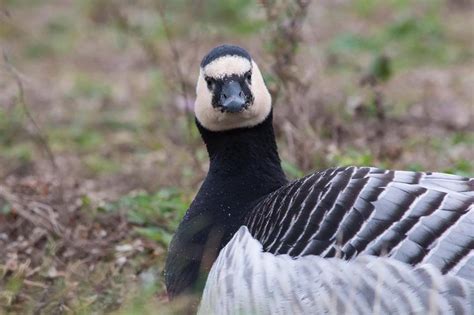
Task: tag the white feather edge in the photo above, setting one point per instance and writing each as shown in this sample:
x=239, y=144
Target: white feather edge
x=246, y=280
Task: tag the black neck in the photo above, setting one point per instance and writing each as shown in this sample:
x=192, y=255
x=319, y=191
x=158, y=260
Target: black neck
x=244, y=166
x=244, y=161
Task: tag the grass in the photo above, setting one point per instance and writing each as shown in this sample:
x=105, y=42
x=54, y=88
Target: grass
x=156, y=216
x=107, y=97
x=409, y=40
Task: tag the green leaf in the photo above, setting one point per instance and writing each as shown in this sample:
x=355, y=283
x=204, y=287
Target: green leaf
x=5, y=209
x=381, y=68
x=155, y=234
x=291, y=169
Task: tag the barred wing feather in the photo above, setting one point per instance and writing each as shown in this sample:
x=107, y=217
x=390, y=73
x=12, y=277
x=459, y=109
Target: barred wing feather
x=413, y=217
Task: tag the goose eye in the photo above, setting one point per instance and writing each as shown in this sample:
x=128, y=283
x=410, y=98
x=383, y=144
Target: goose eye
x=210, y=82
x=248, y=76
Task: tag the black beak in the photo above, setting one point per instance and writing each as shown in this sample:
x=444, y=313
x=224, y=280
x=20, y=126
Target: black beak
x=232, y=97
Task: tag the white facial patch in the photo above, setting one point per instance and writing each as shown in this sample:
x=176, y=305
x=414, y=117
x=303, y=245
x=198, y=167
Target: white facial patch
x=227, y=65
x=215, y=120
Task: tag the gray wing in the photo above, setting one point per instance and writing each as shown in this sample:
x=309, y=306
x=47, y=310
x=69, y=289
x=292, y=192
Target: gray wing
x=413, y=217
x=245, y=280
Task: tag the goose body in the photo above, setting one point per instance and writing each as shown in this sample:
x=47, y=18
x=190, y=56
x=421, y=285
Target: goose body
x=409, y=219
x=246, y=280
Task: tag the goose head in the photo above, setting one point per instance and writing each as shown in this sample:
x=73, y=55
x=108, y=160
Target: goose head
x=230, y=91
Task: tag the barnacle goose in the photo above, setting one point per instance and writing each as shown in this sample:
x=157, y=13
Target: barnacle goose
x=414, y=218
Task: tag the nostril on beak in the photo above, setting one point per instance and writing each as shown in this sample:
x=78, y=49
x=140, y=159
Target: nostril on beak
x=232, y=97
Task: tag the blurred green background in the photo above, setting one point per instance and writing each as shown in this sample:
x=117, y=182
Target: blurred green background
x=99, y=156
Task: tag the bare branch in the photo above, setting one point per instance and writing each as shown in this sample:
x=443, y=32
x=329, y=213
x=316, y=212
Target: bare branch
x=177, y=62
x=150, y=50
x=44, y=216
x=288, y=18
x=30, y=216
x=41, y=138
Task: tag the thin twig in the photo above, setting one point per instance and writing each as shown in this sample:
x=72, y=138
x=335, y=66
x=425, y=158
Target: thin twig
x=30, y=216
x=35, y=284
x=177, y=64
x=125, y=26
x=152, y=54
x=174, y=50
x=287, y=20
x=40, y=136
x=32, y=213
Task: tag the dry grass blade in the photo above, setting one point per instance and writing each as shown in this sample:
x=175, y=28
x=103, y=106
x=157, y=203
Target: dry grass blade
x=46, y=217
x=33, y=214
